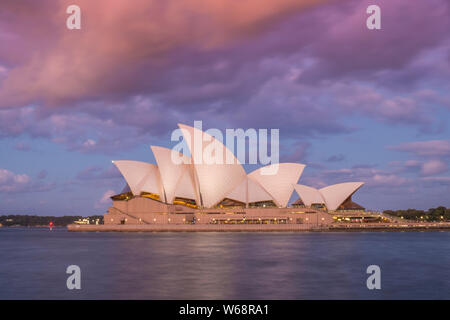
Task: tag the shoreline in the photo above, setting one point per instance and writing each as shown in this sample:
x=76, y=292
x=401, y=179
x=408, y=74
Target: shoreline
x=254, y=228
x=37, y=226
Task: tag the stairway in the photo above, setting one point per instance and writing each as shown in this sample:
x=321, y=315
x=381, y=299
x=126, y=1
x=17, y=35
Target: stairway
x=130, y=215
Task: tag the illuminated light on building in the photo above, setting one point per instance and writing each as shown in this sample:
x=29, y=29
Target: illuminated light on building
x=189, y=189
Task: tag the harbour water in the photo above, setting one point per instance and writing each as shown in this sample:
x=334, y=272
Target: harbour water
x=33, y=262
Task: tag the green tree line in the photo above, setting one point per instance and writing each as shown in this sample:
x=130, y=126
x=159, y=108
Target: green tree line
x=432, y=214
x=29, y=220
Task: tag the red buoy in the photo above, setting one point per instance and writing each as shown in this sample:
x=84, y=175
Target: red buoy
x=51, y=225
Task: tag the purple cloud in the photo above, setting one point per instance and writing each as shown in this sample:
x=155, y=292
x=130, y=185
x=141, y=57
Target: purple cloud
x=22, y=146
x=309, y=68
x=431, y=148
x=99, y=173
x=42, y=175
x=11, y=182
x=433, y=167
x=336, y=158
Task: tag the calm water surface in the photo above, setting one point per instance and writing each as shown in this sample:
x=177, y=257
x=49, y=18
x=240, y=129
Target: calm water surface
x=414, y=265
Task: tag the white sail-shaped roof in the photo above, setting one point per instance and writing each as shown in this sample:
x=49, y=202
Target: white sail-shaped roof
x=185, y=187
x=175, y=177
x=240, y=192
x=249, y=191
x=140, y=176
x=215, y=180
x=336, y=194
x=309, y=195
x=257, y=193
x=279, y=185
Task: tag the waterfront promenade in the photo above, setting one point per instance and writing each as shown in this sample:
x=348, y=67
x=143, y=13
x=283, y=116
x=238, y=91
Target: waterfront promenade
x=350, y=227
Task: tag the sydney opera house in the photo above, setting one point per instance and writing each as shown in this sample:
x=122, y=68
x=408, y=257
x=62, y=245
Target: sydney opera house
x=191, y=192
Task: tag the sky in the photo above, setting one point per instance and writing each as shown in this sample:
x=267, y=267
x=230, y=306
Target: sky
x=352, y=104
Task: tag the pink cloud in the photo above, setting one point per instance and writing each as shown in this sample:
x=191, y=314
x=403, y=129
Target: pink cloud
x=105, y=200
x=387, y=180
x=372, y=176
x=118, y=40
x=247, y=64
x=12, y=182
x=125, y=50
x=297, y=152
x=433, y=167
x=425, y=148
x=437, y=180
x=424, y=168
x=369, y=100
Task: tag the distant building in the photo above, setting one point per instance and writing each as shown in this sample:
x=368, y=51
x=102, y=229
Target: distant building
x=82, y=221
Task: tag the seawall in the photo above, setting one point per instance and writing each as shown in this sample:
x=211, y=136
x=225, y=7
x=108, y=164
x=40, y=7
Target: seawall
x=256, y=228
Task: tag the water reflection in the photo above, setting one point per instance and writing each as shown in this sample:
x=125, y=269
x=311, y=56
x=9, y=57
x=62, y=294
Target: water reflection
x=223, y=265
